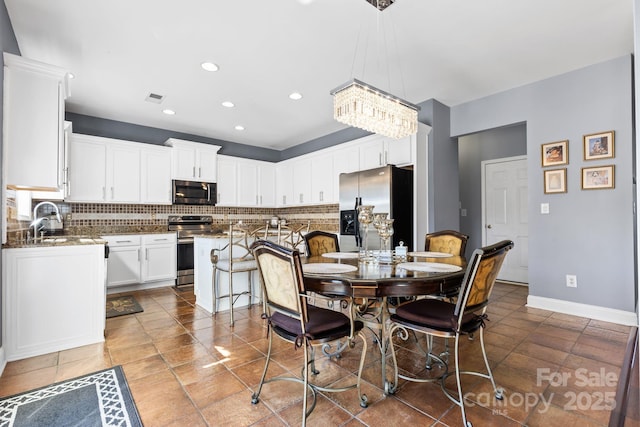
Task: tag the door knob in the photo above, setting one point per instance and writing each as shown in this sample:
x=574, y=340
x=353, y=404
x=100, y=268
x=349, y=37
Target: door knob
x=488, y=225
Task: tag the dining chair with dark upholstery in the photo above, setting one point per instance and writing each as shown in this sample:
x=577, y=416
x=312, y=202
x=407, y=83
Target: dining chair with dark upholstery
x=447, y=241
x=467, y=316
x=321, y=242
x=292, y=318
x=234, y=257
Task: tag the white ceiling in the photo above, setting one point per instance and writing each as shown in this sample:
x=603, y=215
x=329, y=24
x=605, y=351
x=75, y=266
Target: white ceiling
x=450, y=50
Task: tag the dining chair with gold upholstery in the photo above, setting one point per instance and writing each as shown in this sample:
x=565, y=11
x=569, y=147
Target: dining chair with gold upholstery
x=234, y=257
x=291, y=318
x=448, y=241
x=467, y=316
x=321, y=242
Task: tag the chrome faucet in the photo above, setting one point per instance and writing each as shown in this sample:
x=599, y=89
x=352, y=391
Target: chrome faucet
x=37, y=222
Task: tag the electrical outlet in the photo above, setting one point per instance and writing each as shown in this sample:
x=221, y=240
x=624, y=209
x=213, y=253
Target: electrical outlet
x=544, y=208
x=572, y=281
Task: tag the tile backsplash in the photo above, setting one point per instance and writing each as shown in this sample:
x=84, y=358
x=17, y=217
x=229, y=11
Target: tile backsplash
x=101, y=218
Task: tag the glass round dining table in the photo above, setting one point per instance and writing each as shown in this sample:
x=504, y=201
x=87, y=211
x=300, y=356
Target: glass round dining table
x=376, y=287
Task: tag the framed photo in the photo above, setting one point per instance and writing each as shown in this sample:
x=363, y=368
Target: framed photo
x=555, y=181
x=555, y=153
x=599, y=145
x=598, y=177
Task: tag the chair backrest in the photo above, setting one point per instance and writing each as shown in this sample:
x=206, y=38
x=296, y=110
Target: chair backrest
x=320, y=242
x=281, y=278
x=447, y=241
x=482, y=272
x=239, y=243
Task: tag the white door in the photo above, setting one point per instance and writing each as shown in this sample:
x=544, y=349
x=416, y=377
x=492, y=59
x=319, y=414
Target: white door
x=505, y=189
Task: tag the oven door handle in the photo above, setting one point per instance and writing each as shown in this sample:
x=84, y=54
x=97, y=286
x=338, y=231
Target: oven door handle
x=186, y=240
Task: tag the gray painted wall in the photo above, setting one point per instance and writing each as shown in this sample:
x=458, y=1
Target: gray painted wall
x=9, y=44
x=472, y=150
x=589, y=233
x=96, y=126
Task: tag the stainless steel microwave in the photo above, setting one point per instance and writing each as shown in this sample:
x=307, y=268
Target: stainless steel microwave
x=194, y=193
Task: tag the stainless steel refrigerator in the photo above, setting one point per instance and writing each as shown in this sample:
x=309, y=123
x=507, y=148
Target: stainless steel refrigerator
x=389, y=189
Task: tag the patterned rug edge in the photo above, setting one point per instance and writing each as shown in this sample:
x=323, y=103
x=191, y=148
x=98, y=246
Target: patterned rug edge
x=121, y=380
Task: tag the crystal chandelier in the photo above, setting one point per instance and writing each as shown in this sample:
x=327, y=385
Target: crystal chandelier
x=364, y=106
x=361, y=105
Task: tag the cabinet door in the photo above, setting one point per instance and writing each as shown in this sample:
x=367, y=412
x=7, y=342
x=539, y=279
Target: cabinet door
x=247, y=190
x=123, y=265
x=33, y=124
x=267, y=185
x=322, y=179
x=399, y=152
x=207, y=164
x=372, y=154
x=87, y=171
x=123, y=173
x=53, y=298
x=159, y=257
x=284, y=184
x=302, y=181
x=183, y=163
x=226, y=185
x=155, y=175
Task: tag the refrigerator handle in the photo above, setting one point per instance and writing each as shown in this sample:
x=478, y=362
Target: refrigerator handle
x=357, y=224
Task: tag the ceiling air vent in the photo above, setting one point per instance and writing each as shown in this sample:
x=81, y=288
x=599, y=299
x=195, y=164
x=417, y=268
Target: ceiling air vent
x=155, y=98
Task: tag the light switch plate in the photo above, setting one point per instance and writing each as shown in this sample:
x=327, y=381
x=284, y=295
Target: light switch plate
x=544, y=208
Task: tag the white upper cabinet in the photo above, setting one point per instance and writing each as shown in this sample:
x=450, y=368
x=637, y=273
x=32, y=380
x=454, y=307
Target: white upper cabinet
x=245, y=182
x=193, y=161
x=301, y=178
x=267, y=184
x=113, y=171
x=226, y=181
x=123, y=173
x=322, y=177
x=87, y=169
x=155, y=174
x=284, y=184
x=379, y=151
x=33, y=124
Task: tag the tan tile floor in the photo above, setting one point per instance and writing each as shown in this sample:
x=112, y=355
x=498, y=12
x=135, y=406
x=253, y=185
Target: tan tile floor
x=186, y=367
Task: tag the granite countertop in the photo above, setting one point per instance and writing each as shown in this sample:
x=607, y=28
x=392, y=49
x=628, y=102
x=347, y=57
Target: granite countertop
x=54, y=241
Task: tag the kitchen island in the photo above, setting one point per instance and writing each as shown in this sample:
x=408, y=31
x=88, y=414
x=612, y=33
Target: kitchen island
x=53, y=295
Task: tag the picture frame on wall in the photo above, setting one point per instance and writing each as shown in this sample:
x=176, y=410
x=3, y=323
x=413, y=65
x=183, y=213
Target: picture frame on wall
x=598, y=177
x=599, y=145
x=555, y=153
x=555, y=181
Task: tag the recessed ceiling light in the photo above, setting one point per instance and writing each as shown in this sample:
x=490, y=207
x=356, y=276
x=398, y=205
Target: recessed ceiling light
x=209, y=66
x=238, y=127
x=295, y=96
x=168, y=112
x=228, y=104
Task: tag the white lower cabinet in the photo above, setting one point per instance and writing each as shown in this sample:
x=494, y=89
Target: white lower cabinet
x=53, y=299
x=136, y=259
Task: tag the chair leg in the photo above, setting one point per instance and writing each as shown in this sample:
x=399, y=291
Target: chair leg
x=497, y=391
x=255, y=398
x=231, y=298
x=305, y=377
x=460, y=401
x=216, y=280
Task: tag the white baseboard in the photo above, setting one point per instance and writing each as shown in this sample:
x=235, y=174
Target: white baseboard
x=140, y=286
x=612, y=315
x=3, y=360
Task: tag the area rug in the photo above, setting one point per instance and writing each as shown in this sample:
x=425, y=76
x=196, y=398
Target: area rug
x=121, y=305
x=99, y=399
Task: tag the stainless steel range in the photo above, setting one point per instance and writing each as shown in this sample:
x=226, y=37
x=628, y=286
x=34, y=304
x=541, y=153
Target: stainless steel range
x=187, y=227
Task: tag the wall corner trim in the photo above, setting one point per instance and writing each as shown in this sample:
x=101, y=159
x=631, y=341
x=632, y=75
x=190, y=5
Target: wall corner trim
x=612, y=315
